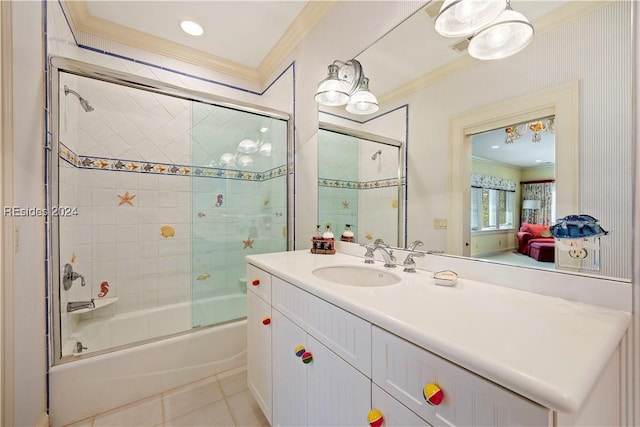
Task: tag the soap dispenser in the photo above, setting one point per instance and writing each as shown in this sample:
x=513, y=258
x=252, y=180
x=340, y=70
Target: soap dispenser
x=347, y=234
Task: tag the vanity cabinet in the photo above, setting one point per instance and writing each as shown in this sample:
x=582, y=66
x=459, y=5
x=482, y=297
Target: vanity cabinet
x=403, y=369
x=353, y=366
x=259, y=335
x=326, y=391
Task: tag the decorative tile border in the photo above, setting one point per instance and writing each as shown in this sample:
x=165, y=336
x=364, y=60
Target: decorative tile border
x=121, y=165
x=356, y=185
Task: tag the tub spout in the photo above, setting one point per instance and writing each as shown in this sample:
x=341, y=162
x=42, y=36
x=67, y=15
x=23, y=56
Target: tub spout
x=79, y=305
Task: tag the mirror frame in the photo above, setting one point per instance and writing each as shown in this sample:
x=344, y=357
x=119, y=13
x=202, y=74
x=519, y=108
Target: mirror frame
x=402, y=179
x=559, y=101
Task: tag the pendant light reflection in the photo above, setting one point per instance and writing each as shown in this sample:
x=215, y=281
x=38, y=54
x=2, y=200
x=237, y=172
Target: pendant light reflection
x=347, y=84
x=508, y=35
x=461, y=18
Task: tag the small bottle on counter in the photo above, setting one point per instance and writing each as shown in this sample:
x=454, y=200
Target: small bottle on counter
x=347, y=234
x=317, y=243
x=329, y=242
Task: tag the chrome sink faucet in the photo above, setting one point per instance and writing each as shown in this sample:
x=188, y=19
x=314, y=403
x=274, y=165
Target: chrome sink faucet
x=387, y=253
x=409, y=263
x=79, y=305
x=413, y=245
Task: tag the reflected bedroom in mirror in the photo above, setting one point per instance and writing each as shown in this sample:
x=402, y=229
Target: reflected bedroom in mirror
x=565, y=94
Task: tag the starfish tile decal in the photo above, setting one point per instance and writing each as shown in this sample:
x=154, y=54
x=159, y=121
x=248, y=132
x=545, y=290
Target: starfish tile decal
x=247, y=243
x=126, y=198
x=345, y=204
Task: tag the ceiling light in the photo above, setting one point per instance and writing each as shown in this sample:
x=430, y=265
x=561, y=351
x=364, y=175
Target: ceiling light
x=266, y=149
x=332, y=91
x=228, y=159
x=460, y=18
x=192, y=28
x=507, y=35
x=363, y=101
x=495, y=147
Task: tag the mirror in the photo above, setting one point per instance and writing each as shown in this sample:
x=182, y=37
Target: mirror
x=582, y=52
x=360, y=185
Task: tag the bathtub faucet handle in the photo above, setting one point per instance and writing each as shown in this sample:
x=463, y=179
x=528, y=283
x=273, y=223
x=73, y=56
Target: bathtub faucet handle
x=69, y=276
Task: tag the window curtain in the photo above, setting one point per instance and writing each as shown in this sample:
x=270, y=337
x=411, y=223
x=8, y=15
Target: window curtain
x=544, y=192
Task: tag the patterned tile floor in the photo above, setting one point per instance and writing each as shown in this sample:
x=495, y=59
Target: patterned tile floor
x=220, y=400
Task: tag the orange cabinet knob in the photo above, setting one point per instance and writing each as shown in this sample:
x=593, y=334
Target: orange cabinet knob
x=433, y=394
x=266, y=320
x=255, y=282
x=375, y=418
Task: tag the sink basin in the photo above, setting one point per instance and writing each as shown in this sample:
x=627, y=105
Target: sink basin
x=352, y=275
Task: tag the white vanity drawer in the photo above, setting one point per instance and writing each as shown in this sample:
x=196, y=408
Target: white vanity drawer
x=345, y=334
x=404, y=369
x=259, y=282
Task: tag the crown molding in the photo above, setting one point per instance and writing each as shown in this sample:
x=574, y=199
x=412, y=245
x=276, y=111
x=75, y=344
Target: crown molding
x=312, y=13
x=570, y=11
x=85, y=23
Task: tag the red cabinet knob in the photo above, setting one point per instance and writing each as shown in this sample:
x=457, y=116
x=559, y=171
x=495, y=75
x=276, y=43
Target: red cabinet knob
x=266, y=320
x=306, y=357
x=255, y=282
x=432, y=394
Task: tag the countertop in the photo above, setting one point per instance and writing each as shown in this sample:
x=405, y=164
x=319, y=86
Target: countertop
x=548, y=349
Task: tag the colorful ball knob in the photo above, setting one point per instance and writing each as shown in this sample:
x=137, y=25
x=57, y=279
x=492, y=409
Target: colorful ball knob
x=375, y=418
x=432, y=394
x=299, y=350
x=266, y=320
x=306, y=357
x=255, y=282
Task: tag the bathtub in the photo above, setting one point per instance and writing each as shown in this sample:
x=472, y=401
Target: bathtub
x=89, y=385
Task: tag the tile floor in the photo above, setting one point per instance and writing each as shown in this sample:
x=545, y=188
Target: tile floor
x=220, y=400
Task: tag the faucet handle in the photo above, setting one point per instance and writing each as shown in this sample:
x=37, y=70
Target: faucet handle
x=409, y=263
x=413, y=245
x=368, y=256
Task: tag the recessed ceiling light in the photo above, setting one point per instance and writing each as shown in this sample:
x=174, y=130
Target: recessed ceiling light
x=538, y=161
x=495, y=146
x=191, y=28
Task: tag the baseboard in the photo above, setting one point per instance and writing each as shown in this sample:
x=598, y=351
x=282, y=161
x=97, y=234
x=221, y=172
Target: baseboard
x=43, y=421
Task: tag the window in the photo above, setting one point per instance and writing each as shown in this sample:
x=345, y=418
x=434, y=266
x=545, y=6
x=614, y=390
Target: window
x=491, y=209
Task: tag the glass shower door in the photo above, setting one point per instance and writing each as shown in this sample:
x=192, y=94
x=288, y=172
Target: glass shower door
x=239, y=200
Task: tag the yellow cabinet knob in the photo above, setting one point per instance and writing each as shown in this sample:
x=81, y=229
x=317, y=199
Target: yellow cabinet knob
x=375, y=418
x=433, y=394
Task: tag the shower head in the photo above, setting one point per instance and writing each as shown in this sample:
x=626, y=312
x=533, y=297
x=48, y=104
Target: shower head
x=83, y=102
x=376, y=154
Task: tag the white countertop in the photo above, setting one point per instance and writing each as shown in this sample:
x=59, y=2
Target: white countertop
x=548, y=349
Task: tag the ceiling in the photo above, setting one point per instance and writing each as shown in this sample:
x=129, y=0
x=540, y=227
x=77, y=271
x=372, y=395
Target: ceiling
x=239, y=31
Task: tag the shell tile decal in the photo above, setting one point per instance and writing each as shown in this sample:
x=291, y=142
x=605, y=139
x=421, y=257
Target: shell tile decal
x=167, y=231
x=203, y=276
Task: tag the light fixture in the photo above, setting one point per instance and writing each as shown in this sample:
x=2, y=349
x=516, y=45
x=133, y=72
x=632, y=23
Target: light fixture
x=247, y=146
x=531, y=204
x=507, y=35
x=461, y=18
x=363, y=101
x=346, y=84
x=191, y=28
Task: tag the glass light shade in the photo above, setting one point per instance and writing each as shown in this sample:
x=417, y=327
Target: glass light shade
x=508, y=35
x=363, y=101
x=332, y=91
x=227, y=159
x=245, y=160
x=266, y=149
x=460, y=18
x=247, y=146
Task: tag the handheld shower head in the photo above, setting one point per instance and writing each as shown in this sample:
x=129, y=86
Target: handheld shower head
x=376, y=154
x=83, y=102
